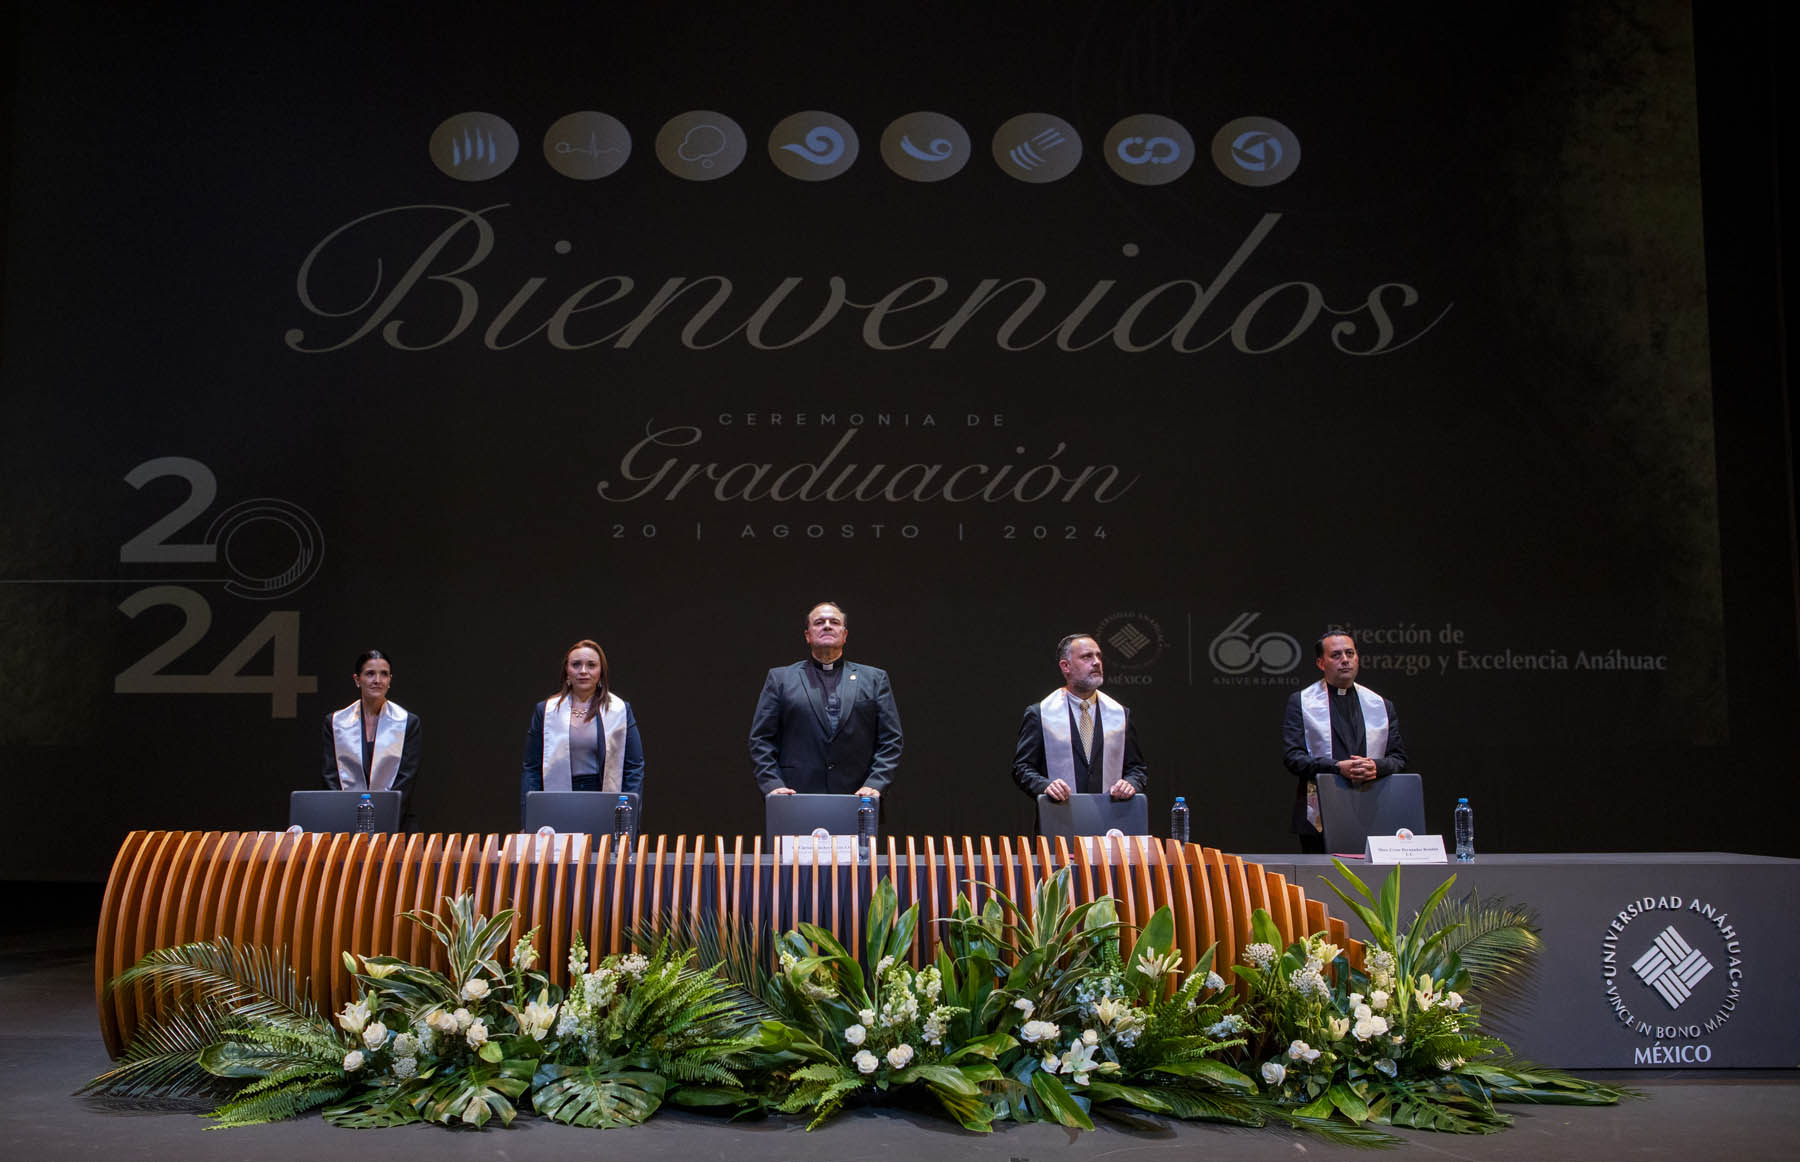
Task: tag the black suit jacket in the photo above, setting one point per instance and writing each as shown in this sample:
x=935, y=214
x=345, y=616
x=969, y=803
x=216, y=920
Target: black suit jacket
x=789, y=743
x=1028, y=758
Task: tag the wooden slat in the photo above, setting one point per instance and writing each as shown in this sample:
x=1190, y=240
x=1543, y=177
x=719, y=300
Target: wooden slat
x=325, y=894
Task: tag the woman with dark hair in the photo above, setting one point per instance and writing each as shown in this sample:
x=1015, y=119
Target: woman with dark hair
x=372, y=744
x=585, y=737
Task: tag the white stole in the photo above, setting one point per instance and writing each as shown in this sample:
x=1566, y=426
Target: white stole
x=558, y=774
x=390, y=741
x=1315, y=710
x=1059, y=757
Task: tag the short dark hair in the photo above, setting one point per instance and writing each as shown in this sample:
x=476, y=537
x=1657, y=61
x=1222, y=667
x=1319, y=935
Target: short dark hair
x=1319, y=646
x=368, y=656
x=1064, y=646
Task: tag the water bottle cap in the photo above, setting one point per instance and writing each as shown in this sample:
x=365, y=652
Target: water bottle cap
x=1181, y=798
x=867, y=800
x=1462, y=800
x=365, y=797
x=624, y=799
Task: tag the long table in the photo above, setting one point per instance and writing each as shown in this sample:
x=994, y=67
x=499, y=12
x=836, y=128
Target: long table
x=1665, y=960
x=317, y=895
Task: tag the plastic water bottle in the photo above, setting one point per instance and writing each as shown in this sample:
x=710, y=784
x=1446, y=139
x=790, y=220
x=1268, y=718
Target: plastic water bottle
x=865, y=828
x=365, y=815
x=1178, y=820
x=1465, y=831
x=622, y=822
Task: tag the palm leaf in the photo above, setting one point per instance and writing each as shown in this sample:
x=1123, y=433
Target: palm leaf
x=247, y=981
x=163, y=1059
x=1496, y=941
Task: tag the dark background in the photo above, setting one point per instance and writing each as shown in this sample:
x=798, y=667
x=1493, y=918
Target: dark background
x=1588, y=451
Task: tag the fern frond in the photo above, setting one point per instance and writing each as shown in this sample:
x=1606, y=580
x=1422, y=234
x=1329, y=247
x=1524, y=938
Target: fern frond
x=294, y=1098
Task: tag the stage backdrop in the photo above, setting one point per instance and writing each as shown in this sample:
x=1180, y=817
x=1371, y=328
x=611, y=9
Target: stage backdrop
x=1196, y=327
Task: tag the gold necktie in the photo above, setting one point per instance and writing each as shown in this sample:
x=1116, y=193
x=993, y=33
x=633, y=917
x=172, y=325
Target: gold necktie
x=1087, y=732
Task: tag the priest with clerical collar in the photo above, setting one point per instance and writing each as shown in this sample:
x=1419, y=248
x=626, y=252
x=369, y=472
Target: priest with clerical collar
x=1335, y=726
x=1078, y=740
x=825, y=724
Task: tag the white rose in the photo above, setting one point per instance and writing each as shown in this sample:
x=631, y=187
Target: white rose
x=443, y=1022
x=1378, y=1000
x=1024, y=1005
x=464, y=1018
x=866, y=1016
x=898, y=1056
x=1298, y=1050
x=1453, y=1000
x=1273, y=1072
x=353, y=1061
x=1090, y=1037
x=475, y=989
x=856, y=1034
x=477, y=1034
x=866, y=1062
x=374, y=1035
x=1033, y=1031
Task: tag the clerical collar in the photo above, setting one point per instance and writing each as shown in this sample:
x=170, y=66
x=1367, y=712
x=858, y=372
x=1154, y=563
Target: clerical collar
x=826, y=666
x=1340, y=691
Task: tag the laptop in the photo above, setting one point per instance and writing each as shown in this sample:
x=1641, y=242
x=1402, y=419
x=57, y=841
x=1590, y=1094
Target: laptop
x=804, y=814
x=580, y=812
x=1354, y=811
x=1093, y=815
x=335, y=811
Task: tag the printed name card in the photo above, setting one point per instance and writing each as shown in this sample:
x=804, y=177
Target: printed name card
x=822, y=848
x=1405, y=849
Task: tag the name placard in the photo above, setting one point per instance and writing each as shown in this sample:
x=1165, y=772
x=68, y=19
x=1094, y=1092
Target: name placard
x=820, y=848
x=1107, y=846
x=1405, y=849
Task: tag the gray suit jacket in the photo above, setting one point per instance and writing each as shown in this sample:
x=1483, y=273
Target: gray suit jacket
x=790, y=740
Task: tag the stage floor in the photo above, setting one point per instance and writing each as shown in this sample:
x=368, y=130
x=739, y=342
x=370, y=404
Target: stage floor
x=50, y=1044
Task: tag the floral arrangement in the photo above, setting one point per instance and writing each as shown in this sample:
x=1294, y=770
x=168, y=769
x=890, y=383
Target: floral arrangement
x=461, y=1047
x=1045, y=1012
x=1394, y=1042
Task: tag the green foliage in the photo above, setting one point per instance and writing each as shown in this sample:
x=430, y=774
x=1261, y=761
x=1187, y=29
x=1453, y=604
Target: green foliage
x=1029, y=1012
x=1395, y=1043
x=595, y=1095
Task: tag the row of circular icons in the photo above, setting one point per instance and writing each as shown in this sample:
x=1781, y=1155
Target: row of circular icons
x=702, y=145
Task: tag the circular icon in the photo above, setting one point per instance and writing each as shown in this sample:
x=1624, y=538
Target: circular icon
x=925, y=147
x=1256, y=151
x=1149, y=150
x=813, y=146
x=701, y=145
x=1037, y=148
x=301, y=551
x=473, y=147
x=587, y=145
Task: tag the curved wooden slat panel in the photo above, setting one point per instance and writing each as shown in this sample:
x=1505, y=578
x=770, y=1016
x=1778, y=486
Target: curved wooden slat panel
x=320, y=895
